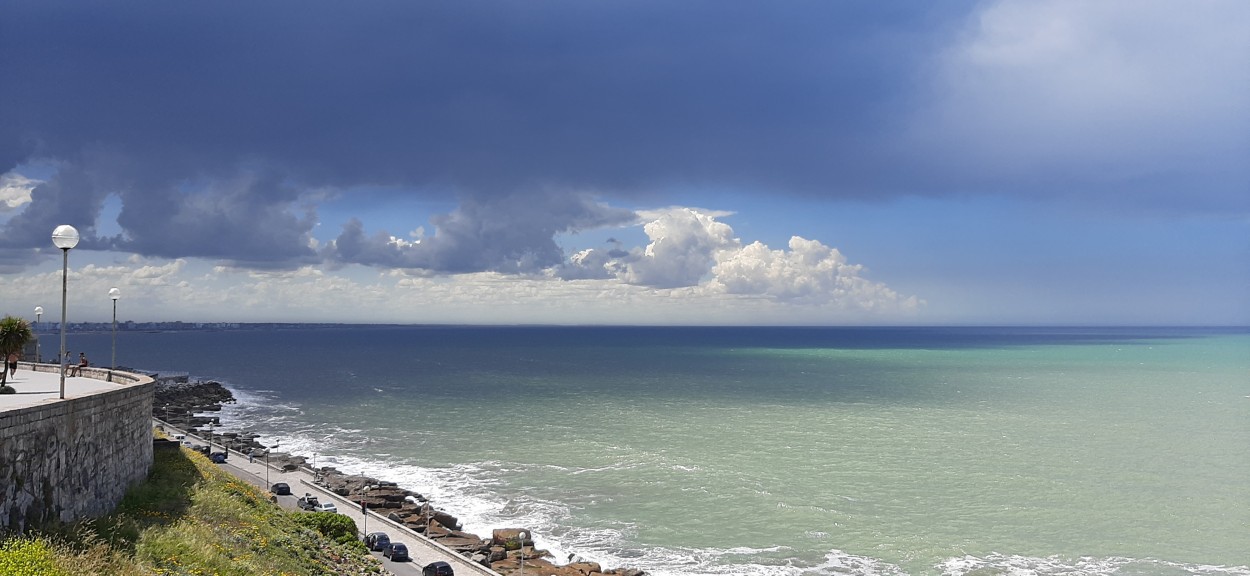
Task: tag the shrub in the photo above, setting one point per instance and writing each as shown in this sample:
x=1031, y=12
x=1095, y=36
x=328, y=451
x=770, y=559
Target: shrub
x=26, y=557
x=336, y=527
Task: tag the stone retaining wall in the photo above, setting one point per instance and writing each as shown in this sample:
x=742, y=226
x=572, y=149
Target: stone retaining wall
x=75, y=458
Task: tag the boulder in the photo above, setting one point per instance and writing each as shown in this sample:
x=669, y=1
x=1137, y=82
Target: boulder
x=446, y=519
x=586, y=567
x=510, y=538
x=462, y=542
x=497, y=553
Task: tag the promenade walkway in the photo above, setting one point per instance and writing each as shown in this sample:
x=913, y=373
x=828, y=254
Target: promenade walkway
x=422, y=549
x=41, y=383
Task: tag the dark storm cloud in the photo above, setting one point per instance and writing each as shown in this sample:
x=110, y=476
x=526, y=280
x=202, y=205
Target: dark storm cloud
x=512, y=233
x=213, y=118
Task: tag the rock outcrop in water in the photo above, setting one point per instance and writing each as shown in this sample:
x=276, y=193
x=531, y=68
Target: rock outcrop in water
x=178, y=397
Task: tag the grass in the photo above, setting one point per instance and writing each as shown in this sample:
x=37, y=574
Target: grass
x=191, y=518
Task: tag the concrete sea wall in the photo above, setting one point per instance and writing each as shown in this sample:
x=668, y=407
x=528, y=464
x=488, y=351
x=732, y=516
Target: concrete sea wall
x=75, y=458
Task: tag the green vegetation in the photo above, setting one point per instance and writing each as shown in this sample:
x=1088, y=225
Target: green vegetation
x=14, y=334
x=28, y=557
x=336, y=527
x=191, y=518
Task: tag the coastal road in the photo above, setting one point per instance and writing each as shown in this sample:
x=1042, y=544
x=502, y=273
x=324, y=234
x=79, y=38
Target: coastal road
x=422, y=550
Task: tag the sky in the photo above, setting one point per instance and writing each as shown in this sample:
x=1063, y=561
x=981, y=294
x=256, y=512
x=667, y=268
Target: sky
x=570, y=162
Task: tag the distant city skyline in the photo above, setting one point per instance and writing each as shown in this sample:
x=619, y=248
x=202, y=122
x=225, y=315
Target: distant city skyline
x=701, y=163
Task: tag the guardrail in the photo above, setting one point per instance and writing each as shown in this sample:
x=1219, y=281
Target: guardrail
x=116, y=376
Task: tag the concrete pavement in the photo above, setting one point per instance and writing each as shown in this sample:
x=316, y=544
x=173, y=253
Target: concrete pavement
x=41, y=383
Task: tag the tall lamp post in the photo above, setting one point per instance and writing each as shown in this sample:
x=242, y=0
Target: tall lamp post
x=114, y=293
x=267, y=450
x=521, y=552
x=38, y=315
x=64, y=237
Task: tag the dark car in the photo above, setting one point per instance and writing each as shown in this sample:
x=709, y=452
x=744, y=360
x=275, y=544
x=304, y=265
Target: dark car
x=308, y=502
x=396, y=551
x=377, y=541
x=218, y=457
x=281, y=489
x=437, y=569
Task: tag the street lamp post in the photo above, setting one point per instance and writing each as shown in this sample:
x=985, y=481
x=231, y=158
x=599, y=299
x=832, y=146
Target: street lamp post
x=521, y=553
x=267, y=450
x=38, y=315
x=64, y=237
x=114, y=293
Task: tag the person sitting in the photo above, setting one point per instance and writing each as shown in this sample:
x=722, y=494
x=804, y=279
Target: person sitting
x=82, y=363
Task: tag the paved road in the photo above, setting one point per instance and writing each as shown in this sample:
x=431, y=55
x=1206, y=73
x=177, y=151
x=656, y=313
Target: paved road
x=422, y=550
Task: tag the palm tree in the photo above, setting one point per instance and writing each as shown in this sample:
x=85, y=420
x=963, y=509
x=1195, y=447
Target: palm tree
x=14, y=334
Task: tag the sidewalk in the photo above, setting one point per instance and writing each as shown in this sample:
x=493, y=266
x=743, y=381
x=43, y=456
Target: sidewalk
x=39, y=387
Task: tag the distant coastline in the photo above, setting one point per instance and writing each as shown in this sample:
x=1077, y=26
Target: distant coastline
x=53, y=327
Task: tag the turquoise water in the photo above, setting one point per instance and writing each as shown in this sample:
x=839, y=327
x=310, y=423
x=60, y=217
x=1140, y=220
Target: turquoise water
x=767, y=451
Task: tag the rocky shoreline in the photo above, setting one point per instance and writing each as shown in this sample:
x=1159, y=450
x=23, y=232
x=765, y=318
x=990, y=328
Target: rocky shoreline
x=179, y=398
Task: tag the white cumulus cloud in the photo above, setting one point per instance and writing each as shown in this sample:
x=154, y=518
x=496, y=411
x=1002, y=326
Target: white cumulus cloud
x=692, y=252
x=684, y=246
x=15, y=190
x=808, y=272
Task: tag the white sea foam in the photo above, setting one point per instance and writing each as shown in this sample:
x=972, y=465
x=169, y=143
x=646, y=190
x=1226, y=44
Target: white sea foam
x=839, y=562
x=1013, y=565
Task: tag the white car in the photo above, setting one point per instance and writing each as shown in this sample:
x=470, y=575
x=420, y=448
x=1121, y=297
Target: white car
x=326, y=507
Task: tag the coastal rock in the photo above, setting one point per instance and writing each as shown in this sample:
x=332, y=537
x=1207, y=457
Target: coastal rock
x=511, y=538
x=375, y=503
x=586, y=567
x=497, y=553
x=177, y=398
x=535, y=566
x=465, y=543
x=447, y=520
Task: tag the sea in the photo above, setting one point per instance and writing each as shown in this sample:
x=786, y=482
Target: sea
x=773, y=451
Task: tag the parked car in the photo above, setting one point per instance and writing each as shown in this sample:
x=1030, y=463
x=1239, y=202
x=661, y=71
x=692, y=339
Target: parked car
x=396, y=551
x=437, y=569
x=326, y=507
x=307, y=502
x=281, y=489
x=376, y=541
x=218, y=457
